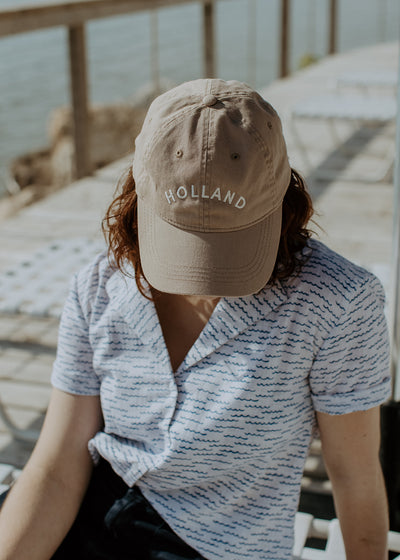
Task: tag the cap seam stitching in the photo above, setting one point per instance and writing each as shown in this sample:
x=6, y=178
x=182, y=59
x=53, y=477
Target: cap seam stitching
x=165, y=127
x=208, y=166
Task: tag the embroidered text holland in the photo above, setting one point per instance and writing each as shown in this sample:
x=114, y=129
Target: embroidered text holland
x=183, y=192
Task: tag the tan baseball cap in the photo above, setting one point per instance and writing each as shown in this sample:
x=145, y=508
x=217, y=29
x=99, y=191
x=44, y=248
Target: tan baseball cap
x=211, y=170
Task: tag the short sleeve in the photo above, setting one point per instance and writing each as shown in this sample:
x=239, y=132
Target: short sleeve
x=351, y=370
x=73, y=368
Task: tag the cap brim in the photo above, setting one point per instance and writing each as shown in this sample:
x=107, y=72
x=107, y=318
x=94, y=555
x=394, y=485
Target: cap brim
x=237, y=263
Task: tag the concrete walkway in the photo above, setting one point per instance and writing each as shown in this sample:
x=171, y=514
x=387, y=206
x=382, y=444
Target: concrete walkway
x=354, y=218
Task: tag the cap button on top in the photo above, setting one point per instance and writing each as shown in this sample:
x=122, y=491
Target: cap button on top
x=209, y=100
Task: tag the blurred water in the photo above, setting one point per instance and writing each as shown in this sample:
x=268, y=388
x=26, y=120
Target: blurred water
x=34, y=66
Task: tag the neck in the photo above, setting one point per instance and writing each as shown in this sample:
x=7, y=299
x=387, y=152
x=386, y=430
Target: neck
x=182, y=319
x=204, y=305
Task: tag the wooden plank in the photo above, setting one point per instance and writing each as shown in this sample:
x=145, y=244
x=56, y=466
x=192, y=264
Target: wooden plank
x=32, y=397
x=73, y=13
x=79, y=95
x=209, y=40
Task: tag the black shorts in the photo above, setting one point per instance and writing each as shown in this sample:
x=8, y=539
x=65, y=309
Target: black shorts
x=116, y=522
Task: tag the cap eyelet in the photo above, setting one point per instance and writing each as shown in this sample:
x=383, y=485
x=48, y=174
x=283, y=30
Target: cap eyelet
x=179, y=153
x=269, y=125
x=235, y=156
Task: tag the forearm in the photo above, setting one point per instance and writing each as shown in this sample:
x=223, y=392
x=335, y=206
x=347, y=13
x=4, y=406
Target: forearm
x=38, y=513
x=362, y=512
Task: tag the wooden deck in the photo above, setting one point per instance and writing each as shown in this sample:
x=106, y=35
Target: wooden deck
x=355, y=218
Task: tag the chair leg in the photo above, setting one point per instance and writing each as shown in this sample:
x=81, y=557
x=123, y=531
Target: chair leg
x=382, y=173
x=19, y=434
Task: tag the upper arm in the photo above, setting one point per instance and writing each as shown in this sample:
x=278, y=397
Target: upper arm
x=71, y=421
x=350, y=370
x=350, y=443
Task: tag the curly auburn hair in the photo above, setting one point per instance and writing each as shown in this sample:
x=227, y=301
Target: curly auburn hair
x=120, y=229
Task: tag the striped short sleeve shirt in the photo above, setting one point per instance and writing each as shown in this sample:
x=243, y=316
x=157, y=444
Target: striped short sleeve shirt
x=219, y=446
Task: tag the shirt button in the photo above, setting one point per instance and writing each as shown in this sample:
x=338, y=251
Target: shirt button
x=209, y=100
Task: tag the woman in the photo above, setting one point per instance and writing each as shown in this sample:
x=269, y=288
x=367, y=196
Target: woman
x=195, y=371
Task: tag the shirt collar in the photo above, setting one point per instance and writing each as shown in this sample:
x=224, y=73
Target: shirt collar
x=138, y=311
x=230, y=317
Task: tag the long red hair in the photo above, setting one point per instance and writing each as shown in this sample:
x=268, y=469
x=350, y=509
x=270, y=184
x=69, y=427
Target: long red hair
x=120, y=229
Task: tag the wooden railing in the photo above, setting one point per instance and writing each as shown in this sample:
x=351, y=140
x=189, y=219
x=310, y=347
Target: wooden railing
x=75, y=14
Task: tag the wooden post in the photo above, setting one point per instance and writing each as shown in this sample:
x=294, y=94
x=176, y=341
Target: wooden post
x=208, y=39
x=332, y=26
x=154, y=52
x=285, y=34
x=252, y=43
x=79, y=95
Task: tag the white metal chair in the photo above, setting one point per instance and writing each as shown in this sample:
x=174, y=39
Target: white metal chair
x=307, y=526
x=8, y=475
x=38, y=286
x=366, y=81
x=359, y=110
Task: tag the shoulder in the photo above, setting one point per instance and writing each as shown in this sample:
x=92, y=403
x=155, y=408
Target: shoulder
x=91, y=283
x=329, y=279
x=94, y=273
